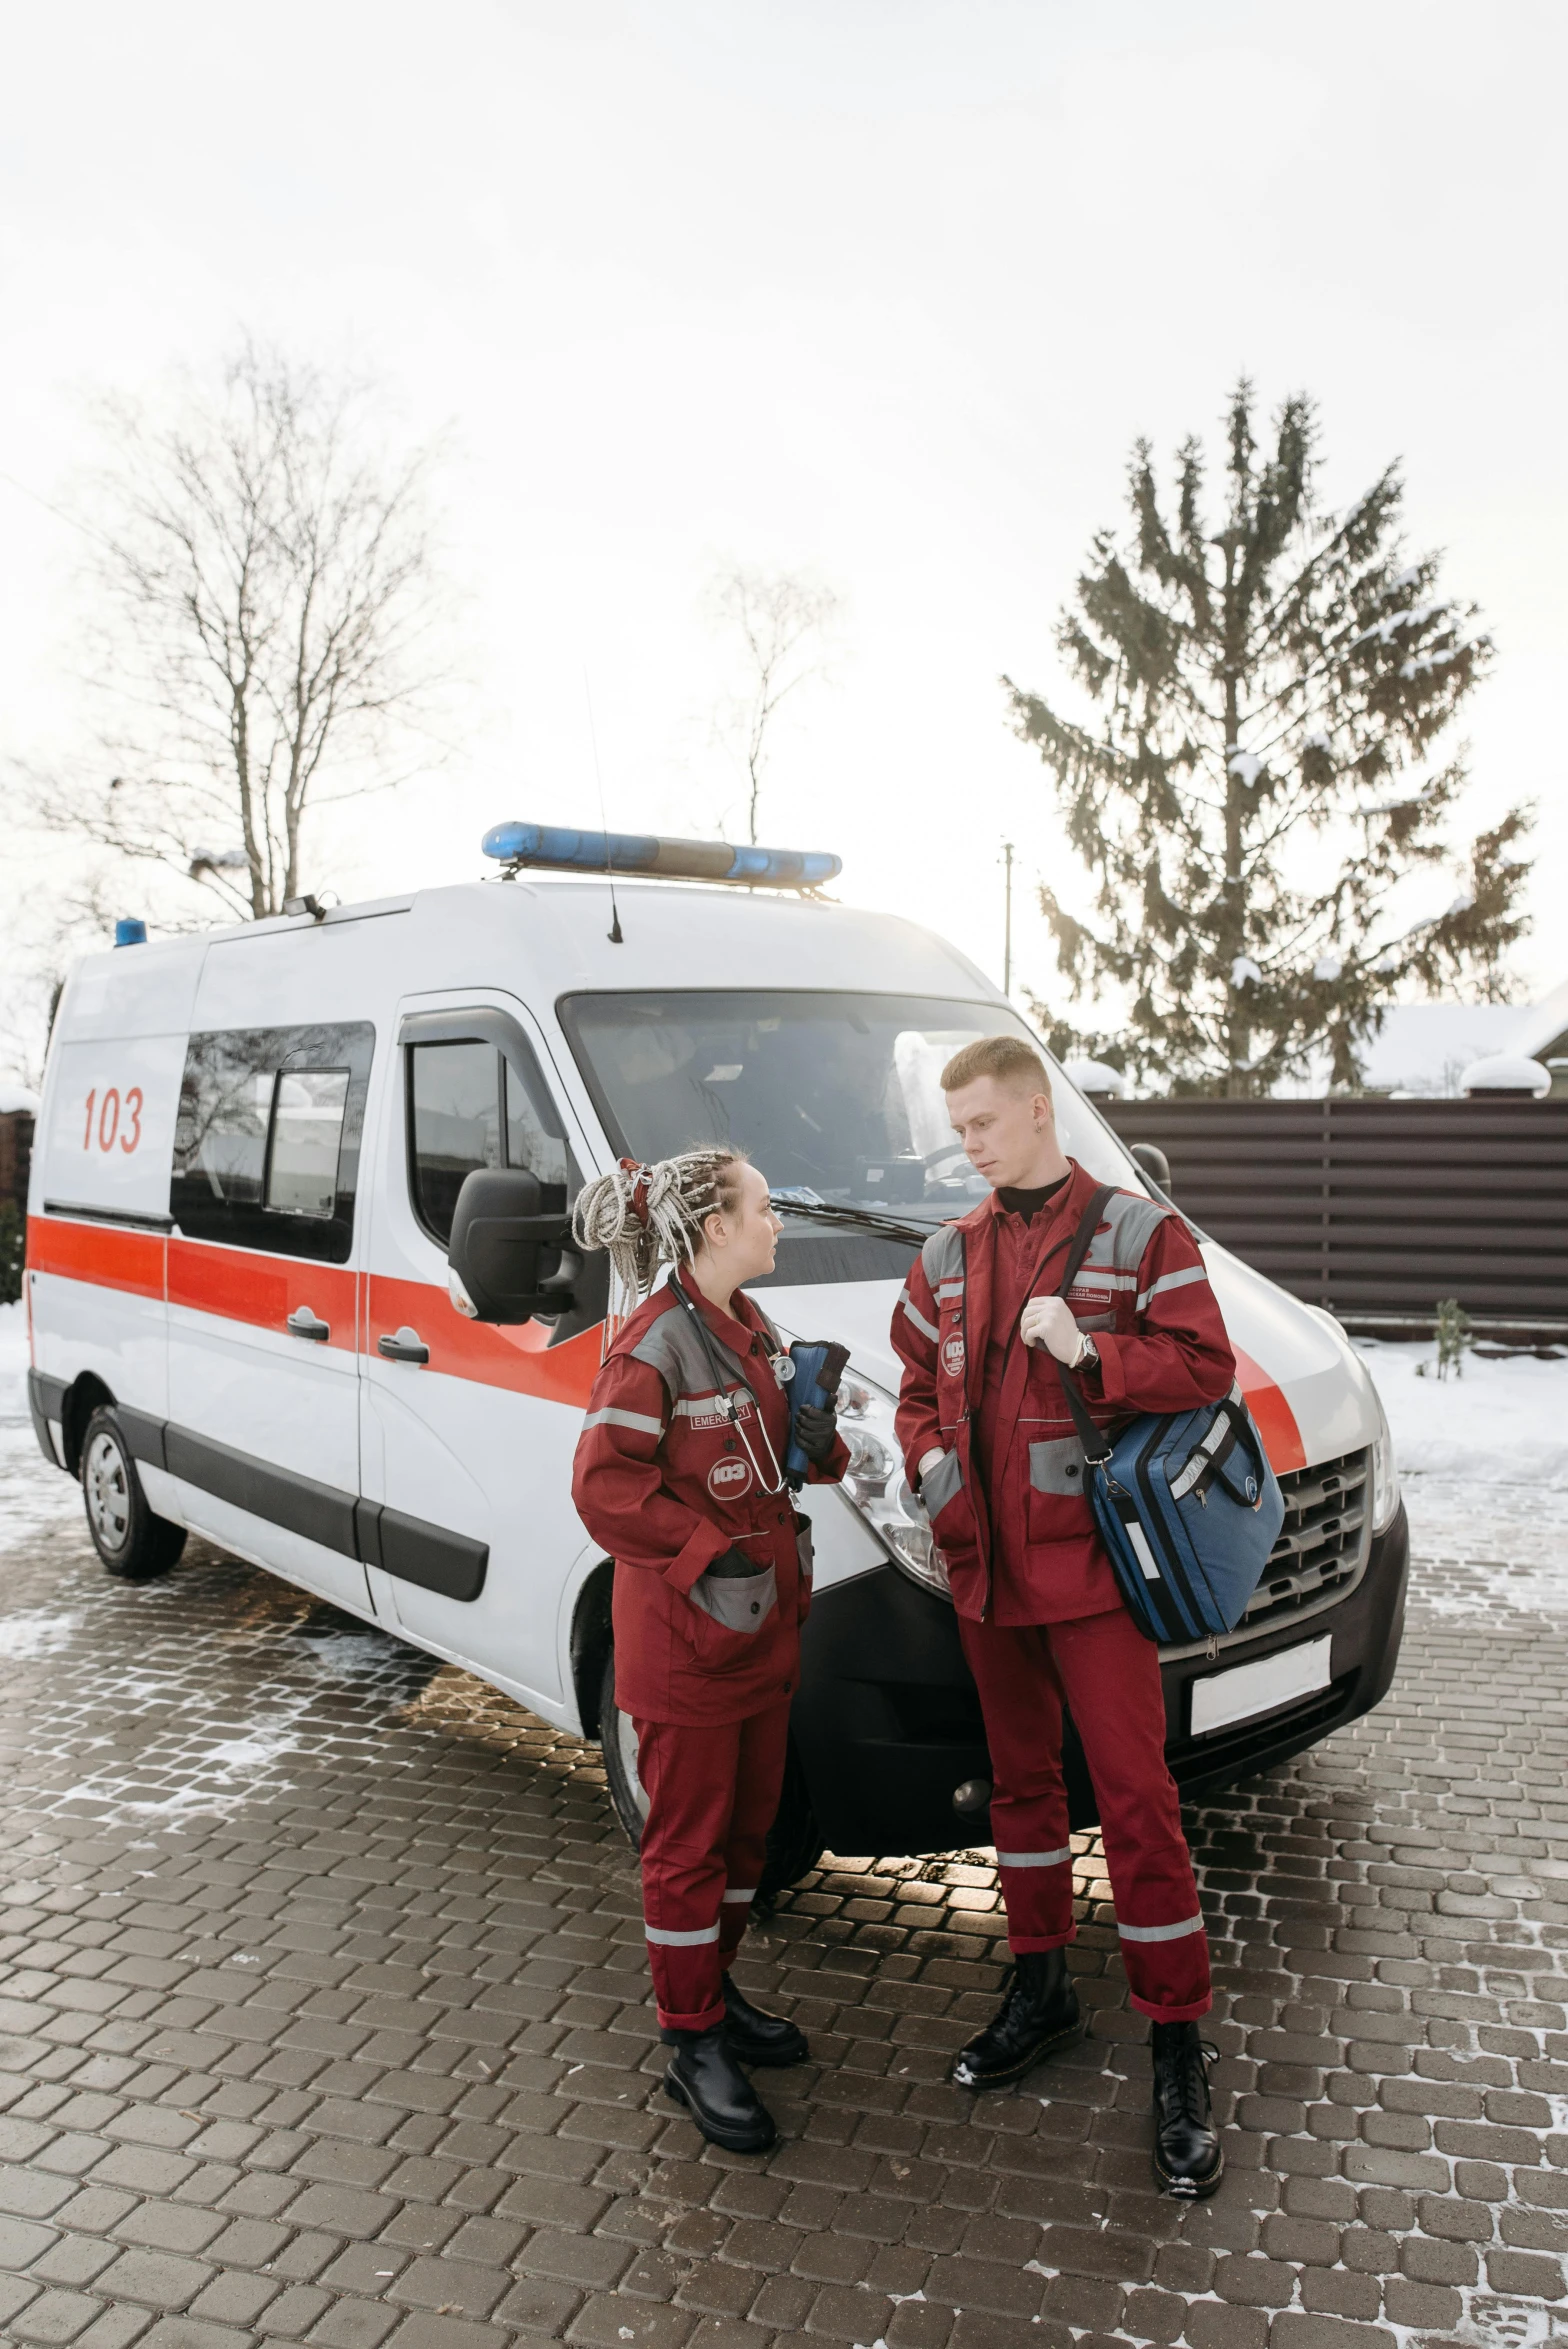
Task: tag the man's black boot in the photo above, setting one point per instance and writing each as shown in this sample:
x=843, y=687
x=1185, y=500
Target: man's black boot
x=705, y=2077
x=1039, y=2013
x=1188, y=2157
x=757, y=2038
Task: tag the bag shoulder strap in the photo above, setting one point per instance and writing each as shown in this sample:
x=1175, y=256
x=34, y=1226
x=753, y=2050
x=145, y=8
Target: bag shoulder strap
x=1083, y=1237
x=1096, y=1443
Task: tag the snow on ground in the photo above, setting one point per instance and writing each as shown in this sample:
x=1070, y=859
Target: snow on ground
x=32, y=1495
x=1498, y=1423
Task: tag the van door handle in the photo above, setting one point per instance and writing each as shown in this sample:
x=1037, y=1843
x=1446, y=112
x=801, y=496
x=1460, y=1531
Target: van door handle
x=404, y=1345
x=302, y=1323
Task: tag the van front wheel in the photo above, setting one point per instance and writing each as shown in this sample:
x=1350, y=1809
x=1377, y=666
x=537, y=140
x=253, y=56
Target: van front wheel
x=131, y=1541
x=794, y=1844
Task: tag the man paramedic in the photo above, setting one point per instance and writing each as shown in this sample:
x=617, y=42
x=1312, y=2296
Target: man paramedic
x=986, y=1434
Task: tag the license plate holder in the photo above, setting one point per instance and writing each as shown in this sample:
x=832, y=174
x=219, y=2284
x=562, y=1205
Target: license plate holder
x=1247, y=1690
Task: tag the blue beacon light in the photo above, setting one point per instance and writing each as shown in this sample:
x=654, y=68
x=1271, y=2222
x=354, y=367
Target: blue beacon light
x=629, y=855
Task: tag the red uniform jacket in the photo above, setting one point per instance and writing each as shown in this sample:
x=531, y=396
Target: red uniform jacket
x=1007, y=1501
x=667, y=1486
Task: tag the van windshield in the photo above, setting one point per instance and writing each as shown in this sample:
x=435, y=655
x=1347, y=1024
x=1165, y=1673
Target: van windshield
x=835, y=1097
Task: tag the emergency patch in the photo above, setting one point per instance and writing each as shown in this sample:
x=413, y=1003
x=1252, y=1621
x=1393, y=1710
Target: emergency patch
x=729, y=1478
x=953, y=1356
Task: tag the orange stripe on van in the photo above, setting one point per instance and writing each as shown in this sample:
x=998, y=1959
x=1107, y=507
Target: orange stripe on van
x=1275, y=1418
x=242, y=1284
x=105, y=1255
x=521, y=1358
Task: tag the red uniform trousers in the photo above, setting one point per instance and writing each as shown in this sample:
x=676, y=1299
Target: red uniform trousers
x=1109, y=1676
x=713, y=1793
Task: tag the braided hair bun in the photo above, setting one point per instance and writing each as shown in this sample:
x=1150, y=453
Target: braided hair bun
x=645, y=1216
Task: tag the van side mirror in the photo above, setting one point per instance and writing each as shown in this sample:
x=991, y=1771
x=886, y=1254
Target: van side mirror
x=508, y=1245
x=1154, y=1163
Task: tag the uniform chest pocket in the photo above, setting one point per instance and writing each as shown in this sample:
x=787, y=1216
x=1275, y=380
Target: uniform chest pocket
x=1092, y=1308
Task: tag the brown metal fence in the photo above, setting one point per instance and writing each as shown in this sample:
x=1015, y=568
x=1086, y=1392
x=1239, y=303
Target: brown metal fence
x=1379, y=1208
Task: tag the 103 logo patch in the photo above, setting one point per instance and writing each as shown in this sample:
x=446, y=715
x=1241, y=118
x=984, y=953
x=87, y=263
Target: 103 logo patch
x=729, y=1478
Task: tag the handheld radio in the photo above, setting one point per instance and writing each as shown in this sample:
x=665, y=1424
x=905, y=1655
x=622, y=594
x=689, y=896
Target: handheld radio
x=819, y=1365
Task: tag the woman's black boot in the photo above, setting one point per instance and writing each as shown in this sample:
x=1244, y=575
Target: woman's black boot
x=1188, y=2157
x=705, y=2077
x=1039, y=2013
x=757, y=2038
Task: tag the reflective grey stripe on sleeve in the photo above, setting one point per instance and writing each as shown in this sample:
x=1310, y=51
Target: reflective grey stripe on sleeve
x=740, y=1892
x=680, y=1940
x=640, y=1420
x=1159, y=1932
x=1033, y=1859
x=1171, y=1280
x=917, y=1318
x=948, y=1290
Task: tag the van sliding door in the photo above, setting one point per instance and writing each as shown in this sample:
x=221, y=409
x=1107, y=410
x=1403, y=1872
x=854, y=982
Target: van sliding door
x=263, y=1428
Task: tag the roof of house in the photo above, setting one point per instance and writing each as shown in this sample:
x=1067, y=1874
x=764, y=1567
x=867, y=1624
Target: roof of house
x=1426, y=1047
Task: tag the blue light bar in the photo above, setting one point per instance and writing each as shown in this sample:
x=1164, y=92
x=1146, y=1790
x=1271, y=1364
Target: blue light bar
x=619, y=854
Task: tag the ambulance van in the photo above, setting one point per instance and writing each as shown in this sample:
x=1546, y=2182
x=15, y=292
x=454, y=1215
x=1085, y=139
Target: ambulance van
x=299, y=1281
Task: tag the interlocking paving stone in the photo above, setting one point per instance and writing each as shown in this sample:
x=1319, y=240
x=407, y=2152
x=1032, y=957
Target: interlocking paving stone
x=349, y=2042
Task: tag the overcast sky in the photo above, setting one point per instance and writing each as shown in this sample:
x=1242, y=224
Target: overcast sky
x=882, y=289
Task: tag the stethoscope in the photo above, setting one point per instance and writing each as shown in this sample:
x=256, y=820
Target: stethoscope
x=783, y=1370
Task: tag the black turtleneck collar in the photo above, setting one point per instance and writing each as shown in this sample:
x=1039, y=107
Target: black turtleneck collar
x=1029, y=1203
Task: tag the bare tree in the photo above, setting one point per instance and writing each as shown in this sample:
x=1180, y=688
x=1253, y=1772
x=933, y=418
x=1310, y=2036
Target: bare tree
x=268, y=601
x=784, y=623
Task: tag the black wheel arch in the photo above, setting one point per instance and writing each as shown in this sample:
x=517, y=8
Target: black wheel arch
x=591, y=1642
x=85, y=1395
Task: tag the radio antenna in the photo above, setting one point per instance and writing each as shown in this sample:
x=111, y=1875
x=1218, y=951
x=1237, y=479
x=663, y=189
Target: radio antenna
x=615, y=937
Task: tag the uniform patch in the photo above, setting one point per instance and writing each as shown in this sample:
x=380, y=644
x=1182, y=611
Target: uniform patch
x=728, y=1479
x=953, y=1356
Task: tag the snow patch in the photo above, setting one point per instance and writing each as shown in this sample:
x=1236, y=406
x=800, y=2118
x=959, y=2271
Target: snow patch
x=1499, y=1423
x=1246, y=766
x=1244, y=972
x=36, y=1632
x=1327, y=967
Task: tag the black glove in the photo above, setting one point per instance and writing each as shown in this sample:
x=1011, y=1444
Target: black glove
x=732, y=1566
x=815, y=1429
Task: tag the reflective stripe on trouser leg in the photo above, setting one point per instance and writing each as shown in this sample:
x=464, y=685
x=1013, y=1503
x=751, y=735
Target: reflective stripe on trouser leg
x=1021, y=1702
x=712, y=1794
x=1111, y=1676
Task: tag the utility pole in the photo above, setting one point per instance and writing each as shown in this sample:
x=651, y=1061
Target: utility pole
x=1007, y=927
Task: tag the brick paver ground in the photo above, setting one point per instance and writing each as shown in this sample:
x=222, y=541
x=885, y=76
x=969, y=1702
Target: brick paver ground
x=325, y=2017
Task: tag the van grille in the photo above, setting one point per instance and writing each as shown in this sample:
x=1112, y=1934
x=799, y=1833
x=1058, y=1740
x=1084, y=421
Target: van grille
x=1323, y=1543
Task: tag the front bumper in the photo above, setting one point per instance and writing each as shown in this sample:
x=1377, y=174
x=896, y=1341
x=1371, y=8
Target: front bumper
x=887, y=1723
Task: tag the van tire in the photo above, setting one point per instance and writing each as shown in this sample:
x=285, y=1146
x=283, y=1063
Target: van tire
x=794, y=1843
x=134, y=1544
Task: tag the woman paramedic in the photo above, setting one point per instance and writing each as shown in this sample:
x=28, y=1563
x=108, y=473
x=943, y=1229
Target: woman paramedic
x=679, y=1474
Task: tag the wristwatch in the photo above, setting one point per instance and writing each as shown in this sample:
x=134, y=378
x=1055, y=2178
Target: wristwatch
x=1088, y=1352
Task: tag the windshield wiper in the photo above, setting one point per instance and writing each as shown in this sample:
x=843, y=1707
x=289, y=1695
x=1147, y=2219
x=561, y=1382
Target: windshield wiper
x=859, y=1219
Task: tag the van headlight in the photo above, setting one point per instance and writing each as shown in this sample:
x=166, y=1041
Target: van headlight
x=1385, y=1470
x=875, y=1484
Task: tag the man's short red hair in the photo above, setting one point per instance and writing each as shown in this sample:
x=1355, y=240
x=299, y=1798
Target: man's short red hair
x=1012, y=1060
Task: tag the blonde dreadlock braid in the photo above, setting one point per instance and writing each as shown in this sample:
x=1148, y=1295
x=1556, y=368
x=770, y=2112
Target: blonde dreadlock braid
x=645, y=1216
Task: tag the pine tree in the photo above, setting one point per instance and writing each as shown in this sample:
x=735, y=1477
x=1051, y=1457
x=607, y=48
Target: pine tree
x=1267, y=772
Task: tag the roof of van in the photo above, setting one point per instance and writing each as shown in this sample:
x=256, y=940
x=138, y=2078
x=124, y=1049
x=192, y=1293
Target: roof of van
x=547, y=936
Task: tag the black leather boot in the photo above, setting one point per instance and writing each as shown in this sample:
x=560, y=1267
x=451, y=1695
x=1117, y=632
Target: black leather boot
x=705, y=2077
x=1039, y=2013
x=1188, y=2157
x=757, y=2038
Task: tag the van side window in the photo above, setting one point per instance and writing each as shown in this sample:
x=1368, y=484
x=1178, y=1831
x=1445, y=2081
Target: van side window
x=470, y=1105
x=266, y=1145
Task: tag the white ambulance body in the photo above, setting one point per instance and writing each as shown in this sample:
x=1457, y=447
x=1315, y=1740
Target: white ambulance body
x=247, y=1161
